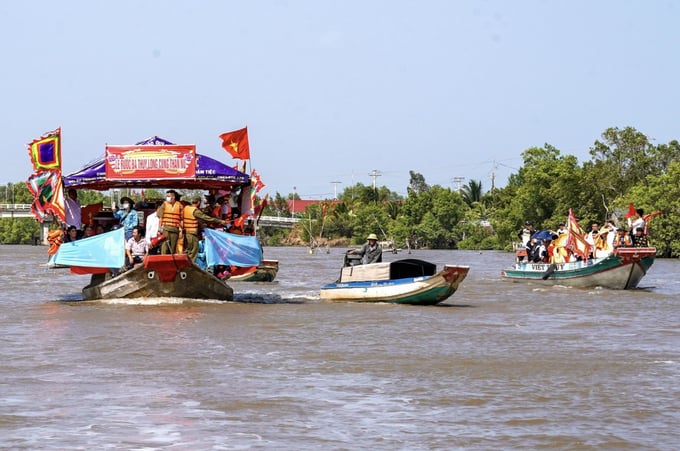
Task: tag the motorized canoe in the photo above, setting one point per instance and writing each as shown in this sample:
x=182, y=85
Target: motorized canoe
x=622, y=270
x=407, y=281
x=266, y=271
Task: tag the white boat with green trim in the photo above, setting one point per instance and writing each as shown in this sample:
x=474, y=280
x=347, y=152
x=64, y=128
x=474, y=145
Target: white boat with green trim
x=407, y=281
x=622, y=270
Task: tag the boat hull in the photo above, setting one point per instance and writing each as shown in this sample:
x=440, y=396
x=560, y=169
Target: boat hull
x=159, y=276
x=425, y=290
x=622, y=270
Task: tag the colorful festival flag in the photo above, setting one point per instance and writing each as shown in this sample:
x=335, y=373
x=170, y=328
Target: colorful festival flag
x=577, y=241
x=45, y=152
x=236, y=143
x=48, y=193
x=256, y=181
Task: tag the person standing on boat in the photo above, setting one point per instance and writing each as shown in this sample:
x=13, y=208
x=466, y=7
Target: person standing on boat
x=126, y=216
x=192, y=214
x=73, y=212
x=638, y=222
x=526, y=232
x=170, y=217
x=370, y=251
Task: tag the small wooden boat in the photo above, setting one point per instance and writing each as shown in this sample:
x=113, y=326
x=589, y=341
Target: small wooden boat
x=159, y=276
x=264, y=272
x=408, y=281
x=622, y=270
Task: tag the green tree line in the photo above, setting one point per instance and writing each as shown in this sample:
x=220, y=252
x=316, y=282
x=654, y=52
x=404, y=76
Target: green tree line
x=624, y=167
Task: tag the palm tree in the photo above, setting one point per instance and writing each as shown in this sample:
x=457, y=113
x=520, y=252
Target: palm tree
x=472, y=192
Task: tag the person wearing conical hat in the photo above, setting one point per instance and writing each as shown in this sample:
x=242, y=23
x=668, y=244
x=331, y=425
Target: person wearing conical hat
x=370, y=251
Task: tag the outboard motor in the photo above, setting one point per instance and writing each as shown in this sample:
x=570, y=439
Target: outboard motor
x=352, y=259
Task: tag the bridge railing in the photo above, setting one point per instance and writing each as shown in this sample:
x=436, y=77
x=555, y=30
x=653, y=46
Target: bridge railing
x=278, y=219
x=15, y=207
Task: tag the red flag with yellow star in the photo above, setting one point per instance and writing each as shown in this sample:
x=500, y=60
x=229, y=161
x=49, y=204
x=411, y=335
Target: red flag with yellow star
x=236, y=143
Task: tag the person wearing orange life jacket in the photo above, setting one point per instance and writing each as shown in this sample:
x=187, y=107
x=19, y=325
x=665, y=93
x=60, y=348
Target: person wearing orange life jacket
x=170, y=215
x=192, y=214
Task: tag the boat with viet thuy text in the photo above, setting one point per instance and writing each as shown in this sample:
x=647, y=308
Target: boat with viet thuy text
x=622, y=270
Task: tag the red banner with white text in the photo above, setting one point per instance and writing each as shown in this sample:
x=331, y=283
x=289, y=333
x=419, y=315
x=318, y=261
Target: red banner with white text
x=151, y=162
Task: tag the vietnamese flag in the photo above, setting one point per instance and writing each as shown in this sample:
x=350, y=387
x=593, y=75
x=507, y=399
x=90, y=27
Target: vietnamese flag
x=236, y=143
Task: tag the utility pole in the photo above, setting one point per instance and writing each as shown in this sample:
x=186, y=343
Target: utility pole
x=335, y=190
x=292, y=210
x=375, y=174
x=458, y=180
x=493, y=175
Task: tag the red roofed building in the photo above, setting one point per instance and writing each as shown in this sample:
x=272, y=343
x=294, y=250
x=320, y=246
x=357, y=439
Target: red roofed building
x=301, y=204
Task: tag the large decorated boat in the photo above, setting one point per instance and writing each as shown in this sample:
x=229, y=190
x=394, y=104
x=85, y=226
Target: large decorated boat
x=152, y=163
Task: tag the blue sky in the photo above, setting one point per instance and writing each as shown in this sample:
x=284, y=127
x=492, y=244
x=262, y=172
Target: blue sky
x=332, y=90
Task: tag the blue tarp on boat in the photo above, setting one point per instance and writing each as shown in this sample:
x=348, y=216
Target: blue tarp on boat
x=106, y=250
x=222, y=248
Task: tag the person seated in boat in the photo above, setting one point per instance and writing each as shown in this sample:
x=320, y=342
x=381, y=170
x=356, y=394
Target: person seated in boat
x=639, y=239
x=370, y=251
x=99, y=229
x=622, y=239
x=542, y=254
x=192, y=214
x=171, y=218
x=89, y=231
x=136, y=248
x=71, y=234
x=126, y=216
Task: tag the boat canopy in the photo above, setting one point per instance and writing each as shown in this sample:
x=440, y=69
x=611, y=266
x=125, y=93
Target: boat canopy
x=399, y=269
x=210, y=174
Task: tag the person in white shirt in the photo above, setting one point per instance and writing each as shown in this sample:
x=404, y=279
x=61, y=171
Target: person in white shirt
x=136, y=248
x=638, y=222
x=152, y=224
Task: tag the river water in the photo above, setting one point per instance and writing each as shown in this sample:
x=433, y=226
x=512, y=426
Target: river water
x=501, y=365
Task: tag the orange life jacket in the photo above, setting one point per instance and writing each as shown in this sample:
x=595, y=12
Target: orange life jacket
x=190, y=222
x=172, y=214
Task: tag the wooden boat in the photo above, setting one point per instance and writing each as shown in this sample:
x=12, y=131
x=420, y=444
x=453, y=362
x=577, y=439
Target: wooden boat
x=622, y=270
x=264, y=272
x=408, y=281
x=156, y=163
x=159, y=276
